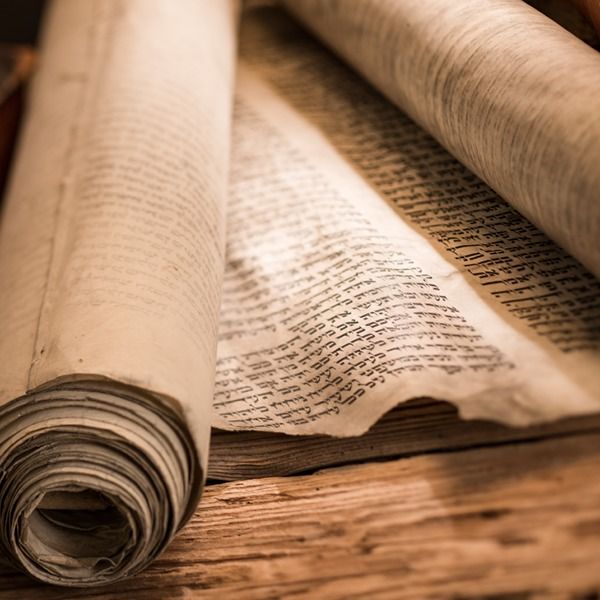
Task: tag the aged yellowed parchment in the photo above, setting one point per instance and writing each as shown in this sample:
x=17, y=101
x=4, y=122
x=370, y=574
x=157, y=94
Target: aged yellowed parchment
x=111, y=259
x=367, y=266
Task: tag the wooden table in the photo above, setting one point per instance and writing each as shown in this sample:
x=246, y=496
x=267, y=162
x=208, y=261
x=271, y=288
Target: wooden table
x=443, y=509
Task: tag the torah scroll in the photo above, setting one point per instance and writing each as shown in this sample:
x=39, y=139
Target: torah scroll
x=511, y=94
x=111, y=258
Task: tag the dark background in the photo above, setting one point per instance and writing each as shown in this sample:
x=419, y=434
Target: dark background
x=19, y=20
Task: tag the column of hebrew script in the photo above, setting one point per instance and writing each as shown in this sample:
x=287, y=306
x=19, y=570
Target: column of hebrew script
x=510, y=93
x=121, y=266
x=334, y=309
x=137, y=261
x=521, y=273
x=111, y=261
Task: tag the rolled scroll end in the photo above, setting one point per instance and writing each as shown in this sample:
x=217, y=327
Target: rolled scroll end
x=93, y=484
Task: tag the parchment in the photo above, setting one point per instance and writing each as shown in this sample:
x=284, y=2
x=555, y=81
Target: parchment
x=511, y=94
x=366, y=266
x=111, y=260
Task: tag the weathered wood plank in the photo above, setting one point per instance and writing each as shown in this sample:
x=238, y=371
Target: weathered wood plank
x=416, y=427
x=517, y=521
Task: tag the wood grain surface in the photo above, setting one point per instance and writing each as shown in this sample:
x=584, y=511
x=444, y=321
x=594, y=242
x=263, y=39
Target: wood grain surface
x=416, y=427
x=513, y=521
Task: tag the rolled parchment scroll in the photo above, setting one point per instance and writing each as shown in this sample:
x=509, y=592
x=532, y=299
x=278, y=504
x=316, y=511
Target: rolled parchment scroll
x=511, y=94
x=111, y=258
x=95, y=481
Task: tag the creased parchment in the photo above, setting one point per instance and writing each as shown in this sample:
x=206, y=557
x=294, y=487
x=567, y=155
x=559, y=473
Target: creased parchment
x=366, y=266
